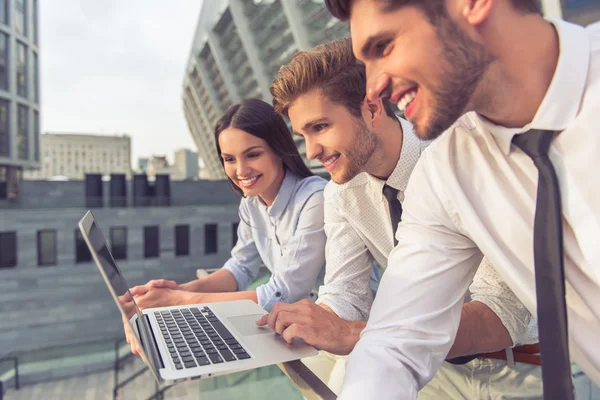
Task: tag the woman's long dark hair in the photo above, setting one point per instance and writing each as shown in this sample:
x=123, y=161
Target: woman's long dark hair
x=260, y=119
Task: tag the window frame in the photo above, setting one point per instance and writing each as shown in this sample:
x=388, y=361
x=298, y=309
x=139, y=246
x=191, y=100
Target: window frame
x=208, y=248
x=116, y=254
x=43, y=263
x=185, y=250
x=147, y=253
x=15, y=260
x=83, y=260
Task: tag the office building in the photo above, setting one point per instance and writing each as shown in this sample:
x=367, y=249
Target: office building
x=142, y=164
x=238, y=48
x=159, y=165
x=185, y=165
x=72, y=155
x=19, y=94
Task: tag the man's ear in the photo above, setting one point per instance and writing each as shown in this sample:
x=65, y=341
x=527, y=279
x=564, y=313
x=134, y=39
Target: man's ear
x=475, y=11
x=375, y=111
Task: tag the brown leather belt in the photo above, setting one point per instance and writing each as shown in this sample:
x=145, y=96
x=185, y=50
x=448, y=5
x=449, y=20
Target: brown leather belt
x=527, y=354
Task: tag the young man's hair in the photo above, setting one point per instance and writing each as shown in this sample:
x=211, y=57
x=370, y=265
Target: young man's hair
x=433, y=9
x=333, y=69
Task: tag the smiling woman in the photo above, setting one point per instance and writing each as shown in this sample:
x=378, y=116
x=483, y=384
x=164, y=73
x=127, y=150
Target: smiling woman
x=254, y=142
x=281, y=216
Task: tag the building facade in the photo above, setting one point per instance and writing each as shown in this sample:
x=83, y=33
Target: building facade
x=19, y=93
x=73, y=155
x=51, y=293
x=159, y=165
x=238, y=48
x=185, y=165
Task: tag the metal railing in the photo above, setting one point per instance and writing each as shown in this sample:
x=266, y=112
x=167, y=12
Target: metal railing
x=119, y=362
x=15, y=361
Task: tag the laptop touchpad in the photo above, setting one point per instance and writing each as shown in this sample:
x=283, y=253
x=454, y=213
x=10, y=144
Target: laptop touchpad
x=246, y=325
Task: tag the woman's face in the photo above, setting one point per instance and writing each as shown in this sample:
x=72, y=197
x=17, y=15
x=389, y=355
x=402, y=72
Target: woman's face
x=251, y=164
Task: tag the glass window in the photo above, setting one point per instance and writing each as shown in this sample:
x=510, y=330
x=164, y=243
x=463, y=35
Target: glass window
x=3, y=183
x=4, y=61
x=234, y=233
x=34, y=28
x=36, y=135
x=4, y=11
x=151, y=242
x=22, y=132
x=8, y=249
x=182, y=240
x=46, y=246
x=21, y=70
x=82, y=252
x=21, y=17
x=118, y=242
x=210, y=238
x=4, y=133
x=36, y=80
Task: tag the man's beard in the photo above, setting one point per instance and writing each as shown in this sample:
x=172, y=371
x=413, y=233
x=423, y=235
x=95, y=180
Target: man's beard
x=465, y=63
x=359, y=154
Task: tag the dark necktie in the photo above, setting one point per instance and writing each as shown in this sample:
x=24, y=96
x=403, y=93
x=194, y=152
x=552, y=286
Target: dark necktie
x=549, y=269
x=391, y=195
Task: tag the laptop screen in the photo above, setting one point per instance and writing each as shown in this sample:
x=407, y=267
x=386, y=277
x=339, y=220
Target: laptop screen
x=107, y=264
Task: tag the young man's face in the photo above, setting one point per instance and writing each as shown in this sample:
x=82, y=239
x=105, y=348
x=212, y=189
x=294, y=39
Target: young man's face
x=336, y=138
x=432, y=73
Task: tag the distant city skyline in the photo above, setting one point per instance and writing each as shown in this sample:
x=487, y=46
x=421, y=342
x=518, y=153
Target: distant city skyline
x=116, y=68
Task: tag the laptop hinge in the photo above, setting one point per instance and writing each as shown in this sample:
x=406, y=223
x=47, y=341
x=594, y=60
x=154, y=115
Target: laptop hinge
x=152, y=349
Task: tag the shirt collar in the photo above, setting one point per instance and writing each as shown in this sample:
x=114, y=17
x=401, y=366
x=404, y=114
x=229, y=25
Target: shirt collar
x=409, y=155
x=560, y=105
x=284, y=195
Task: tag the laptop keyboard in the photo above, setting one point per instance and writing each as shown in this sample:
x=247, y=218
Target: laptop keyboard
x=196, y=337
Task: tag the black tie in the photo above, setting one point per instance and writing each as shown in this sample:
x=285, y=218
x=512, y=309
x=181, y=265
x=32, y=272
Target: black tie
x=549, y=270
x=391, y=195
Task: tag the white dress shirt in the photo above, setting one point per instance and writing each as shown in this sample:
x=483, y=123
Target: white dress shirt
x=359, y=231
x=287, y=237
x=473, y=193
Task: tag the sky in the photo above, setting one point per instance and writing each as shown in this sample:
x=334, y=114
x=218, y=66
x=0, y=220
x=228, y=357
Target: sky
x=117, y=66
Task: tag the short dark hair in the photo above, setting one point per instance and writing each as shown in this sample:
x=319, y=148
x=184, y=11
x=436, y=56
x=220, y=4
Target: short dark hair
x=333, y=69
x=433, y=9
x=260, y=119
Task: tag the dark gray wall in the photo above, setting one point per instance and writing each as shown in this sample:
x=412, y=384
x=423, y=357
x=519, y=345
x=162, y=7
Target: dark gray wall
x=48, y=194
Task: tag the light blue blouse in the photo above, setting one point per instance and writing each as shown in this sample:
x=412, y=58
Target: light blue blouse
x=288, y=237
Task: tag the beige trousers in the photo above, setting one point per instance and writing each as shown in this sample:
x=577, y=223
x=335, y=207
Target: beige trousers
x=480, y=379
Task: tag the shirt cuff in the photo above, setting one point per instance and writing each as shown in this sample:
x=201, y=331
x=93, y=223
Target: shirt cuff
x=343, y=309
x=242, y=277
x=515, y=320
x=268, y=295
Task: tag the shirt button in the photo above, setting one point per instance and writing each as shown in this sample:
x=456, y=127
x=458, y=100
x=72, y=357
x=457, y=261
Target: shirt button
x=278, y=294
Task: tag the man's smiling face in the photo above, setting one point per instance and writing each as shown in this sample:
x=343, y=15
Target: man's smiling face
x=334, y=136
x=432, y=72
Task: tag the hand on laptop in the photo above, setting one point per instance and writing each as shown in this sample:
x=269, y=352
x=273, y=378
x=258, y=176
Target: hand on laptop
x=162, y=297
x=317, y=325
x=127, y=304
x=153, y=284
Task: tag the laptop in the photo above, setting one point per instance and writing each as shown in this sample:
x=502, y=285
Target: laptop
x=193, y=341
